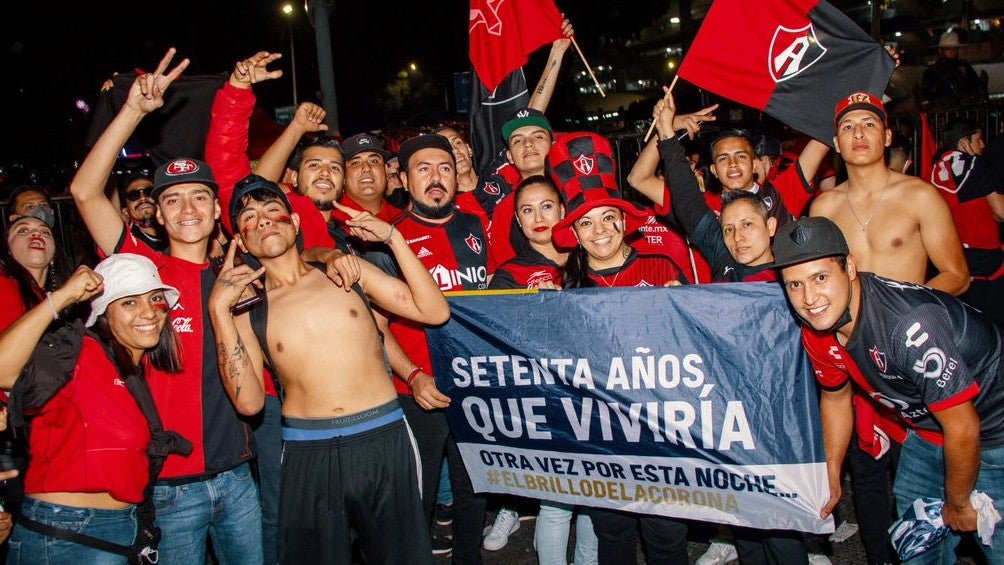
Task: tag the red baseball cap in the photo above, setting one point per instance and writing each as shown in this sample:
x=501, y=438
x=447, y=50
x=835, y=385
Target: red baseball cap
x=860, y=100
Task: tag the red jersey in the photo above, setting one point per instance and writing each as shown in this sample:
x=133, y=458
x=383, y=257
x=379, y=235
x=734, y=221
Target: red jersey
x=656, y=237
x=638, y=270
x=973, y=218
x=193, y=402
x=11, y=305
x=456, y=254
x=91, y=436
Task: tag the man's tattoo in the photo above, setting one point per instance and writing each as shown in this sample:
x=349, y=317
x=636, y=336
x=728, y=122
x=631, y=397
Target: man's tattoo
x=543, y=81
x=237, y=363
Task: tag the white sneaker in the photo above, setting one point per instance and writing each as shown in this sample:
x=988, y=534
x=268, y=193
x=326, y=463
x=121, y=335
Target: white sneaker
x=819, y=559
x=843, y=532
x=718, y=553
x=506, y=522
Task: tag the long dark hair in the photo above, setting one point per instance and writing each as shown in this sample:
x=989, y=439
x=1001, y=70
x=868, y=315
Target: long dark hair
x=520, y=244
x=31, y=294
x=576, y=271
x=165, y=356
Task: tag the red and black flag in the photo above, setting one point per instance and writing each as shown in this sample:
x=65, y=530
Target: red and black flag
x=503, y=33
x=793, y=59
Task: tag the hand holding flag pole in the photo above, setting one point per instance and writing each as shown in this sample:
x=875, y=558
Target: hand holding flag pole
x=669, y=92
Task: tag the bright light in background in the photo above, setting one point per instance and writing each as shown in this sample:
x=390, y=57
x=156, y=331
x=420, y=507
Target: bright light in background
x=287, y=9
x=82, y=106
x=413, y=67
x=674, y=20
x=671, y=65
x=898, y=34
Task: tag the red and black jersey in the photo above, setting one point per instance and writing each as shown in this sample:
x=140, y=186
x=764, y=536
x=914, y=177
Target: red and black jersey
x=456, y=254
x=916, y=351
x=960, y=180
x=468, y=202
x=526, y=270
x=193, y=402
x=639, y=270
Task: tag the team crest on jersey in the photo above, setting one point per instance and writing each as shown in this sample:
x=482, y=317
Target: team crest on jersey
x=792, y=51
x=879, y=358
x=492, y=188
x=584, y=164
x=474, y=243
x=769, y=201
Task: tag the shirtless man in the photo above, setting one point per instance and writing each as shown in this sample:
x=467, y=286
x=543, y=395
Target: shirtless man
x=893, y=222
x=340, y=408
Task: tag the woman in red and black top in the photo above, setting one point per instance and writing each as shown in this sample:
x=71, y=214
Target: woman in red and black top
x=537, y=263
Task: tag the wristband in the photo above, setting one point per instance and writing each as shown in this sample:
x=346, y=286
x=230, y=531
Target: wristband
x=48, y=300
x=390, y=234
x=412, y=375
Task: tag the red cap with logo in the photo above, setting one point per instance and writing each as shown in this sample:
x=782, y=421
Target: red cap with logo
x=860, y=100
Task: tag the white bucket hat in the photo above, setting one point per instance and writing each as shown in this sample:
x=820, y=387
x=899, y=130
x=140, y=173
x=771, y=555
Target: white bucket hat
x=127, y=274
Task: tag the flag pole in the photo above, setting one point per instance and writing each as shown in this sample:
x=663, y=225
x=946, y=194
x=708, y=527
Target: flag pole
x=588, y=68
x=668, y=92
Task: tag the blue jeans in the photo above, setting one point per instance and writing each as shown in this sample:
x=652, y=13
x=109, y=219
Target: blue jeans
x=921, y=473
x=551, y=535
x=28, y=546
x=445, y=494
x=225, y=506
x=268, y=444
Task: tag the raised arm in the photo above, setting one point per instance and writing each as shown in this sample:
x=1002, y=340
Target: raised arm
x=18, y=341
x=102, y=217
x=227, y=138
x=642, y=176
x=418, y=297
x=541, y=96
x=309, y=118
x=237, y=348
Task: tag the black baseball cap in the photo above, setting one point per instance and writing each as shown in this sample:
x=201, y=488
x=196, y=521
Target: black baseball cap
x=419, y=142
x=182, y=170
x=253, y=183
x=806, y=240
x=361, y=143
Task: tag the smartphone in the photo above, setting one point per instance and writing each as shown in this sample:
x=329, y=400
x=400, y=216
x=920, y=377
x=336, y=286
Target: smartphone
x=250, y=299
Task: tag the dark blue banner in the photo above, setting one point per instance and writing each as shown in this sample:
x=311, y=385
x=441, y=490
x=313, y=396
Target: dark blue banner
x=691, y=401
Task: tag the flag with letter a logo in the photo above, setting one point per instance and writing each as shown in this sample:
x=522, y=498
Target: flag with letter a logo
x=794, y=59
x=503, y=33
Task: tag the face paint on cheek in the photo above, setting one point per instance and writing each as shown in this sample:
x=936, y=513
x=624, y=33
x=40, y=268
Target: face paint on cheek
x=162, y=306
x=619, y=226
x=284, y=218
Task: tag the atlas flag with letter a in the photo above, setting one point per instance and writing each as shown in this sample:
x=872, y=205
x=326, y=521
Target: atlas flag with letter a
x=794, y=59
x=503, y=33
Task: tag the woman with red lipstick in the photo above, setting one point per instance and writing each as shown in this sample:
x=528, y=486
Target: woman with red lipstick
x=81, y=396
x=29, y=264
x=537, y=263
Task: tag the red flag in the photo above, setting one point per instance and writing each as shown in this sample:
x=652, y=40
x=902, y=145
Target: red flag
x=928, y=148
x=503, y=33
x=793, y=59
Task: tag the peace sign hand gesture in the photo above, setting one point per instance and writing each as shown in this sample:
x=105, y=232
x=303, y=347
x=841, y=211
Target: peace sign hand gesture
x=147, y=91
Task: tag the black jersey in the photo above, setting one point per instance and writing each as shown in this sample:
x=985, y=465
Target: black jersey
x=922, y=350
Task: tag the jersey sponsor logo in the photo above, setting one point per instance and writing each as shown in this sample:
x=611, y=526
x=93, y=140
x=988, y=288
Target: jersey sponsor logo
x=584, y=164
x=451, y=279
x=879, y=358
x=792, y=51
x=728, y=269
x=417, y=239
x=492, y=188
x=177, y=307
x=489, y=17
x=474, y=242
x=118, y=382
x=423, y=253
x=649, y=220
x=182, y=325
x=181, y=167
x=538, y=277
x=889, y=402
x=936, y=365
x=644, y=282
x=912, y=338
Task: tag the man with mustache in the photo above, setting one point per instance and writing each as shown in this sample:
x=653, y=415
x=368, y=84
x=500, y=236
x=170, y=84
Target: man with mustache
x=453, y=247
x=139, y=211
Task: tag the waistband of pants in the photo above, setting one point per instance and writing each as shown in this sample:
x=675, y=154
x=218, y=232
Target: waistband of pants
x=306, y=429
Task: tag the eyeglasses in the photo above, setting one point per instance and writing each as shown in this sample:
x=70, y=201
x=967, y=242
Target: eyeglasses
x=134, y=195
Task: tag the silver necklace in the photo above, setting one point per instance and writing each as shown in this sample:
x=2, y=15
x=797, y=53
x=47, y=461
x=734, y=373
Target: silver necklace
x=868, y=220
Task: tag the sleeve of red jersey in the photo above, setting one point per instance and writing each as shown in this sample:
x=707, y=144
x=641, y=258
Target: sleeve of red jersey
x=795, y=189
x=227, y=142
x=823, y=352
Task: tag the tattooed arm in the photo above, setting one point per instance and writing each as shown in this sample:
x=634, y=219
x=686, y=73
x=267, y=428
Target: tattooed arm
x=237, y=349
x=541, y=96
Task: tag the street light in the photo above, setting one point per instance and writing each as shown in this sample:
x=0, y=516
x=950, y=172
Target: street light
x=287, y=9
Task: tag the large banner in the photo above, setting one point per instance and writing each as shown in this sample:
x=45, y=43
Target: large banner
x=695, y=402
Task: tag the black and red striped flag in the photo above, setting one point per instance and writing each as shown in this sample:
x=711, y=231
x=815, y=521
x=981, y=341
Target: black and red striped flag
x=503, y=33
x=793, y=59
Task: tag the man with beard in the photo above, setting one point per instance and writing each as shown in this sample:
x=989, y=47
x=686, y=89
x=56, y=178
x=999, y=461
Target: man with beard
x=452, y=246
x=349, y=462
x=139, y=209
